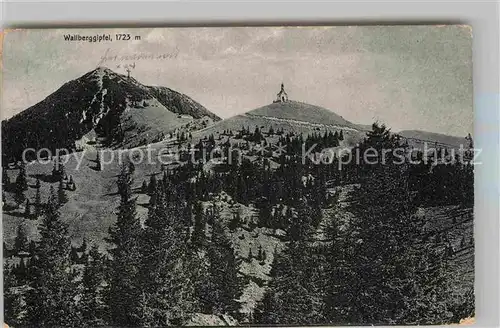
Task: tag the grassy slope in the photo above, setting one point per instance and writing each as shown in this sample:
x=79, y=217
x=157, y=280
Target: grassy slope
x=147, y=124
x=237, y=122
x=435, y=137
x=91, y=210
x=299, y=111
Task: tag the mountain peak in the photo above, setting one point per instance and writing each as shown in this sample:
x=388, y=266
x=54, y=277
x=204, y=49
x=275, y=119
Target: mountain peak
x=103, y=69
x=300, y=111
x=121, y=111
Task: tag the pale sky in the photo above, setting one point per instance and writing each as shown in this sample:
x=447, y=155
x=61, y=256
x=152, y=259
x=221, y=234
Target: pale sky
x=409, y=77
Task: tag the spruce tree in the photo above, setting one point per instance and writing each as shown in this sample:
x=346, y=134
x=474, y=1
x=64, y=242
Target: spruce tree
x=56, y=170
x=125, y=238
x=152, y=185
x=21, y=181
x=167, y=292
x=13, y=304
x=32, y=248
x=75, y=258
x=50, y=299
x=225, y=286
x=259, y=253
x=37, y=204
x=338, y=273
x=21, y=271
x=187, y=219
x=131, y=167
x=21, y=242
x=71, y=184
x=5, y=179
x=19, y=196
x=98, y=162
x=6, y=251
x=92, y=303
x=235, y=222
x=198, y=237
x=27, y=209
x=295, y=295
x=61, y=193
x=388, y=242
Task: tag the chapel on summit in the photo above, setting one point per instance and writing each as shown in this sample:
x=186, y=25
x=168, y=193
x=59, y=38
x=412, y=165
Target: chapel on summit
x=282, y=96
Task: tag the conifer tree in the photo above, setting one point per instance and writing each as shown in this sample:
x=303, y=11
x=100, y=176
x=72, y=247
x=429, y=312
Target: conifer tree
x=61, y=193
x=144, y=187
x=131, y=167
x=75, y=258
x=224, y=286
x=187, y=219
x=167, y=292
x=50, y=299
x=338, y=277
x=13, y=304
x=71, y=184
x=5, y=179
x=85, y=252
x=198, y=238
x=98, y=161
x=32, y=248
x=92, y=303
x=21, y=272
x=21, y=242
x=6, y=251
x=259, y=253
x=294, y=296
x=388, y=239
x=152, y=185
x=21, y=181
x=27, y=209
x=37, y=204
x=125, y=238
x=19, y=196
x=235, y=222
x=58, y=170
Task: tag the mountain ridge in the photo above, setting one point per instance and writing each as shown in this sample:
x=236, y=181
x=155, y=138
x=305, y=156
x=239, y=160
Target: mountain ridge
x=121, y=111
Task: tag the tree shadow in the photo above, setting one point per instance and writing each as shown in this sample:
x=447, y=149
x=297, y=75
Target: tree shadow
x=49, y=178
x=112, y=194
x=18, y=215
x=7, y=208
x=95, y=168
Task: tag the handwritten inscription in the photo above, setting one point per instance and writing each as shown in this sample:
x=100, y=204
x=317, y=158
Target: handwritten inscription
x=140, y=56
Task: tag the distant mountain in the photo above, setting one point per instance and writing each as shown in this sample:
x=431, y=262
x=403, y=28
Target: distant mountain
x=418, y=137
x=293, y=116
x=115, y=110
x=302, y=112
